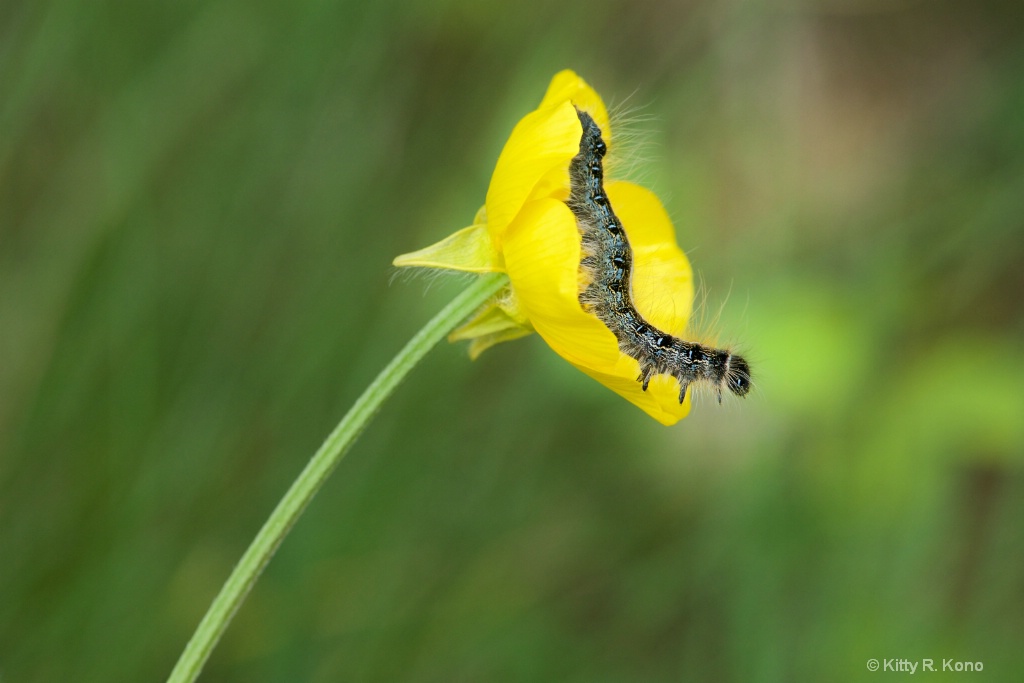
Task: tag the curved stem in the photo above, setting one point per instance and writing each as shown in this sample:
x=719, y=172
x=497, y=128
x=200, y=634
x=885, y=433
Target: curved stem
x=323, y=462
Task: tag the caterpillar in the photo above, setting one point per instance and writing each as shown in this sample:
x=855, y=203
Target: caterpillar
x=607, y=265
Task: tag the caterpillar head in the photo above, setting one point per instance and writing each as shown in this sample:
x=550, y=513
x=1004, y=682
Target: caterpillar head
x=738, y=376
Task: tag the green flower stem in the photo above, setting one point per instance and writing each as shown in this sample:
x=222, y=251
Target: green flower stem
x=321, y=465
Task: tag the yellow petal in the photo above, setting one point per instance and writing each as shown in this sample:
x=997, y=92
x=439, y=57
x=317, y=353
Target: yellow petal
x=542, y=254
x=662, y=277
x=469, y=250
x=481, y=216
x=543, y=140
x=535, y=160
x=566, y=85
x=660, y=401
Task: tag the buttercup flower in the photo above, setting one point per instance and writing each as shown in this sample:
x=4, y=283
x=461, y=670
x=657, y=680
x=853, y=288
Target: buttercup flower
x=526, y=230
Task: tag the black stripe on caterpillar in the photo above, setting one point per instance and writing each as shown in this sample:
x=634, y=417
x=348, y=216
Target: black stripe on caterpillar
x=607, y=265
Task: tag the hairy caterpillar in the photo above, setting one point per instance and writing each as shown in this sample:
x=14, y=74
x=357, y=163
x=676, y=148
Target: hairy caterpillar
x=607, y=263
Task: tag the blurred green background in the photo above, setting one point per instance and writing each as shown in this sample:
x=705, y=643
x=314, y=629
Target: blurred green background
x=199, y=203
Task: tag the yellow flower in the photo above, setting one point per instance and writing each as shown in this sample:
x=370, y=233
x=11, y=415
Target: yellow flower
x=526, y=230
